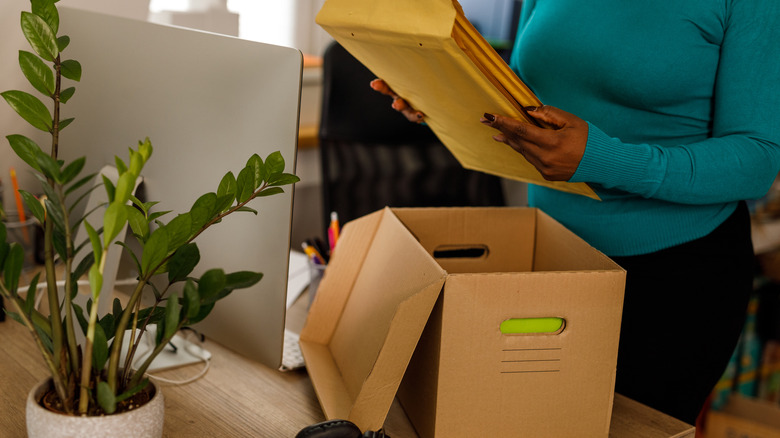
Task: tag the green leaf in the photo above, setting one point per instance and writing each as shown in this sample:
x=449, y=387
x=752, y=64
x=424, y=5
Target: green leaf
x=247, y=210
x=95, y=281
x=59, y=244
x=66, y=94
x=37, y=72
x=245, y=184
x=55, y=214
x=32, y=290
x=124, y=187
x=71, y=69
x=120, y=165
x=178, y=230
x=226, y=192
x=183, y=262
x=136, y=162
x=203, y=210
x=40, y=36
x=94, y=238
x=255, y=163
x=63, y=42
x=242, y=279
x=108, y=324
x=64, y=123
x=211, y=283
x=49, y=167
x=132, y=255
x=191, y=299
x=274, y=163
x=110, y=189
x=282, y=179
x=79, y=312
x=172, y=314
x=25, y=149
x=48, y=12
x=204, y=311
x=113, y=221
x=116, y=308
x=72, y=170
x=271, y=191
x=225, y=202
x=99, y=348
x=106, y=398
x=84, y=265
x=155, y=250
x=12, y=267
x=145, y=149
x=34, y=205
x=79, y=183
x=137, y=222
x=29, y=108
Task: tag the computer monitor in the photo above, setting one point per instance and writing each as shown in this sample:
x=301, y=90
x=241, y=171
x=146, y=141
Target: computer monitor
x=207, y=102
x=496, y=20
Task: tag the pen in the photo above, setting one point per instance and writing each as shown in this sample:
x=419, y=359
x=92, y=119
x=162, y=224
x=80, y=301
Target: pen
x=19, y=205
x=333, y=230
x=314, y=256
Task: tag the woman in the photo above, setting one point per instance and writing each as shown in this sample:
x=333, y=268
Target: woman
x=676, y=124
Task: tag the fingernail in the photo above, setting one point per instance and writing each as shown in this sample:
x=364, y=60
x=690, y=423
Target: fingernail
x=530, y=108
x=490, y=117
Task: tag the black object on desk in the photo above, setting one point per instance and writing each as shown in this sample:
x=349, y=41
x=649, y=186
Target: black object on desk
x=2, y=310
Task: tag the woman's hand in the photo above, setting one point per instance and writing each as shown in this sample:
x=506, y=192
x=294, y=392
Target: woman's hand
x=398, y=104
x=556, y=151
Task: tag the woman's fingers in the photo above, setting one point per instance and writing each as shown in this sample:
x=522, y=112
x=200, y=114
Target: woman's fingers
x=398, y=104
x=555, y=151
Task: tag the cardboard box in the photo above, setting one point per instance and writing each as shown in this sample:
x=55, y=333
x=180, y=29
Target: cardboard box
x=460, y=273
x=744, y=418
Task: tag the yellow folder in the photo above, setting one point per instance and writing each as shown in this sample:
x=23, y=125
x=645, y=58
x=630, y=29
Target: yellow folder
x=432, y=56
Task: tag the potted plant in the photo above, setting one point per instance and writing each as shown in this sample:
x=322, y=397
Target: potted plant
x=88, y=380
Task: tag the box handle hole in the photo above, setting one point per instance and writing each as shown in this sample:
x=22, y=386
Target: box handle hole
x=460, y=252
x=532, y=326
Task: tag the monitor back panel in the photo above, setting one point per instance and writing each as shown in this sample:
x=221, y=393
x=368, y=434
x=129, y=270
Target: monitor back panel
x=207, y=102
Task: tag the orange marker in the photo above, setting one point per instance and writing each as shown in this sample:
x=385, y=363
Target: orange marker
x=19, y=205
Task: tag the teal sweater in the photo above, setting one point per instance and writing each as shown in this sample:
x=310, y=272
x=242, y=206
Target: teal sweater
x=682, y=99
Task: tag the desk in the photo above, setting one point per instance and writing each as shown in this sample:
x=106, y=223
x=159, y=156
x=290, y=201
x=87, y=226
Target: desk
x=241, y=398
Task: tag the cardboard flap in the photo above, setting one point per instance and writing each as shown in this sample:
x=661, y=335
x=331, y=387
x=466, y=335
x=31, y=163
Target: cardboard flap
x=559, y=249
x=340, y=275
x=366, y=320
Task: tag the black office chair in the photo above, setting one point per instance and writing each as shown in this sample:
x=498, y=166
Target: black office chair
x=373, y=157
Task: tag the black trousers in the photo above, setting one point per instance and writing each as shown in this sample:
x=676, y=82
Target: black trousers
x=683, y=313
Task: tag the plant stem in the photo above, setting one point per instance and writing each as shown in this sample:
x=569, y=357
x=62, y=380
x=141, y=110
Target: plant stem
x=56, y=377
x=116, y=347
x=54, y=304
x=68, y=306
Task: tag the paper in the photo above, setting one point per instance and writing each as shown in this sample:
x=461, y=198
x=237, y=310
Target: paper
x=298, y=276
x=430, y=54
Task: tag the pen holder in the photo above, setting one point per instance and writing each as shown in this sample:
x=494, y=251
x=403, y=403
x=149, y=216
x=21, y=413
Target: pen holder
x=316, y=271
x=23, y=233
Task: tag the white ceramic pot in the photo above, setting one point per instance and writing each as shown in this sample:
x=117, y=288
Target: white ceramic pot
x=145, y=421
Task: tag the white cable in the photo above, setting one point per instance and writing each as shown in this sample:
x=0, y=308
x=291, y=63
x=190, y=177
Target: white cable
x=189, y=350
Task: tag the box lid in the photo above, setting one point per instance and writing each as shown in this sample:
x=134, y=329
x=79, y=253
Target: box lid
x=368, y=314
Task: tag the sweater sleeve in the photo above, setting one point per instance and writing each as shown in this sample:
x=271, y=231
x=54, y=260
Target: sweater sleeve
x=741, y=158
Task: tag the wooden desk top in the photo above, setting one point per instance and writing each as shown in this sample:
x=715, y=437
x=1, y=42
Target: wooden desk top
x=242, y=398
